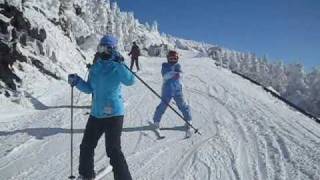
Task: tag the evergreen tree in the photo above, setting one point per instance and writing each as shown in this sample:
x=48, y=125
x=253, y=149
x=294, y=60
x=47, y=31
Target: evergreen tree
x=264, y=72
x=313, y=81
x=224, y=60
x=154, y=27
x=297, y=87
x=255, y=69
x=279, y=80
x=234, y=63
x=245, y=64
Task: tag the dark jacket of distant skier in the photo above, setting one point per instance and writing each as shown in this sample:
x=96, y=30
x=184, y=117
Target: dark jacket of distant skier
x=104, y=83
x=172, y=88
x=135, y=53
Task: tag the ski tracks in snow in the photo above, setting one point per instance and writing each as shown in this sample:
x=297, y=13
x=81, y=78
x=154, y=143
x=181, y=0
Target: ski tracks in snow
x=246, y=134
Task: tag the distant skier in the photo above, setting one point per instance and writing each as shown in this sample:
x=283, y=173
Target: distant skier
x=172, y=88
x=135, y=53
x=104, y=83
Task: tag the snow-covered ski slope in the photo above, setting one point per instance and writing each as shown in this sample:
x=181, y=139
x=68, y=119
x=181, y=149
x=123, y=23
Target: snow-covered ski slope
x=246, y=133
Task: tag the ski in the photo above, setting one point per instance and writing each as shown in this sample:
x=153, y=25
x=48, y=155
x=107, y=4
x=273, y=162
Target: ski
x=103, y=172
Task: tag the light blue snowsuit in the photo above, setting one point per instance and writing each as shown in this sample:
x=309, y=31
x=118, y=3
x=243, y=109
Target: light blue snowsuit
x=172, y=88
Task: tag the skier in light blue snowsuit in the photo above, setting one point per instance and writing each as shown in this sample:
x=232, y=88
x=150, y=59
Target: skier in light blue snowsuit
x=172, y=88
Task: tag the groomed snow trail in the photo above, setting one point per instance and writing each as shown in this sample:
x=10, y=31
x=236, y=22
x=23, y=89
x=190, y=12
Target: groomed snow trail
x=247, y=134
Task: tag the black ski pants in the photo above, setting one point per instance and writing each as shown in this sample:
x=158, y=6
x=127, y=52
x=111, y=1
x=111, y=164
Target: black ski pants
x=112, y=128
x=134, y=60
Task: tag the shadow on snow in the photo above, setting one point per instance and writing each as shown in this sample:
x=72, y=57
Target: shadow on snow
x=41, y=133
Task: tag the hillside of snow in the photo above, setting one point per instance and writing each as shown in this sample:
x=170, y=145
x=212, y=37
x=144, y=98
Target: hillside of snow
x=50, y=39
x=246, y=132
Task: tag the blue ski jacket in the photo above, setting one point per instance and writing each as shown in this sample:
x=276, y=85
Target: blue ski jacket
x=171, y=74
x=172, y=88
x=104, y=82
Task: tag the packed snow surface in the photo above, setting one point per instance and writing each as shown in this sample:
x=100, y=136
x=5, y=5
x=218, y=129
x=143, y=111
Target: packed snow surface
x=246, y=133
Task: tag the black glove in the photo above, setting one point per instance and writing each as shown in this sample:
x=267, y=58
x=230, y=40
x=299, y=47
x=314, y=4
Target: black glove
x=89, y=66
x=118, y=58
x=73, y=79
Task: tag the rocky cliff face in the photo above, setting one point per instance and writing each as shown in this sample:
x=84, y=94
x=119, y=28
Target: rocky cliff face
x=36, y=46
x=16, y=32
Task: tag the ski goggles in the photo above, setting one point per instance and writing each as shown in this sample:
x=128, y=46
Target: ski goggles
x=104, y=49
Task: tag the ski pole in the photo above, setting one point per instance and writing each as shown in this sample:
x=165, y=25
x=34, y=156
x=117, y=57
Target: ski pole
x=167, y=103
x=78, y=97
x=71, y=131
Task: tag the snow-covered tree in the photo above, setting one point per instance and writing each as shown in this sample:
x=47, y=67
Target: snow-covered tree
x=313, y=81
x=245, y=64
x=234, y=62
x=102, y=14
x=255, y=68
x=118, y=24
x=147, y=25
x=297, y=87
x=279, y=80
x=264, y=72
x=225, y=59
x=154, y=27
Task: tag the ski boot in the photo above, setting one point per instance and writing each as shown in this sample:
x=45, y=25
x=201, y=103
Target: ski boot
x=156, y=128
x=188, y=130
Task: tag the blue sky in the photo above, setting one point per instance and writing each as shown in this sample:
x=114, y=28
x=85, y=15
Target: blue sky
x=287, y=30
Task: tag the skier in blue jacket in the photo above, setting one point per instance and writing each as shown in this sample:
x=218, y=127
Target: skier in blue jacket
x=172, y=88
x=104, y=83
